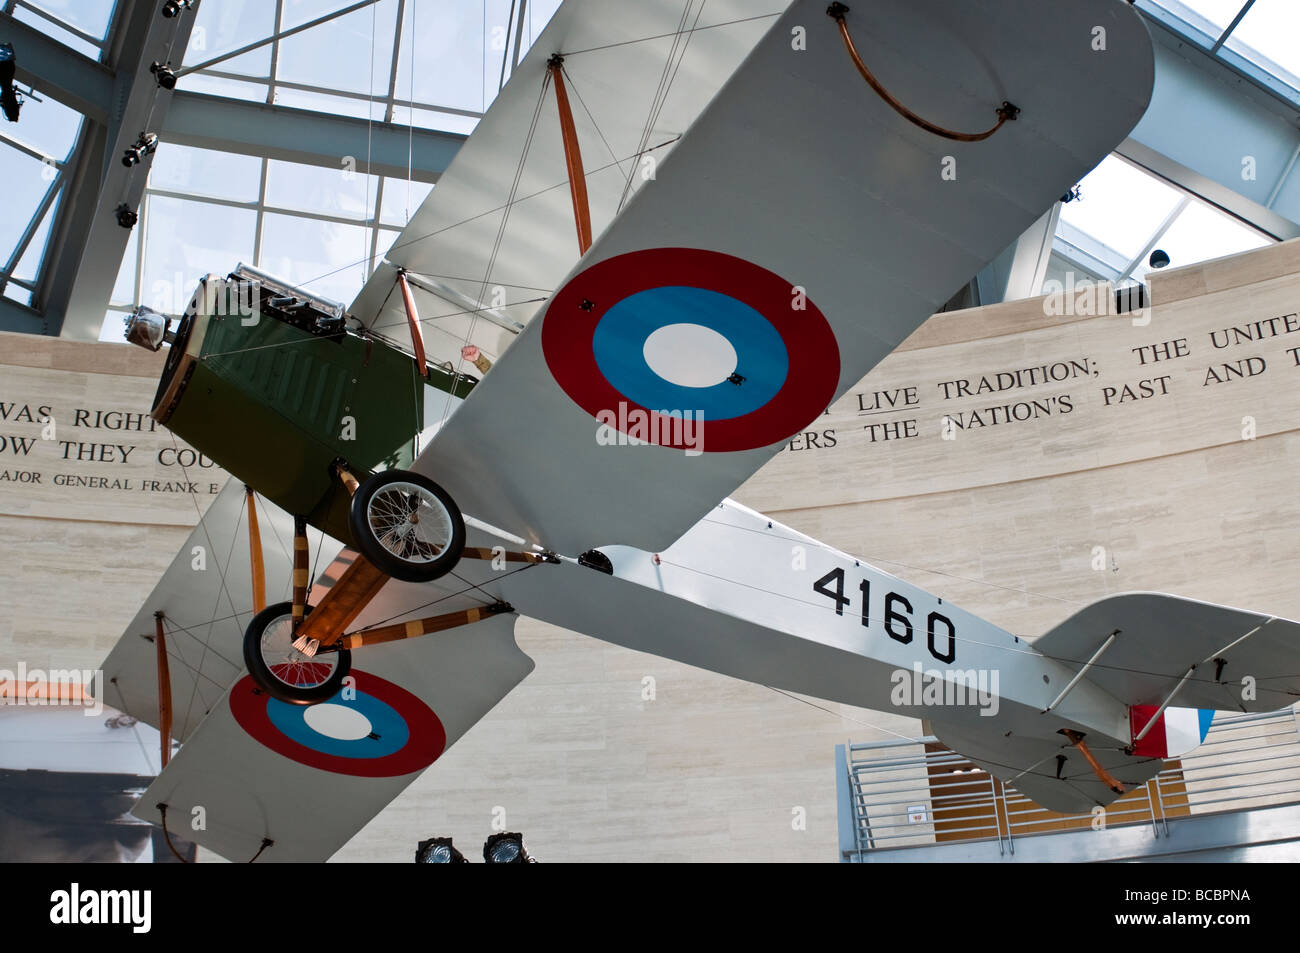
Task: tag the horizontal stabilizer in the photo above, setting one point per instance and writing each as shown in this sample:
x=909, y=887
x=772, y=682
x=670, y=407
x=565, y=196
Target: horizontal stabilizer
x=1244, y=661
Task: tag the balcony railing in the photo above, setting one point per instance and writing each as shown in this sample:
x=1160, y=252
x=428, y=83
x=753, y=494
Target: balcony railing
x=904, y=794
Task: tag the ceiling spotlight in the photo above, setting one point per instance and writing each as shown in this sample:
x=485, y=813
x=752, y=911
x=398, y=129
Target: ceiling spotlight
x=507, y=848
x=1073, y=195
x=144, y=146
x=1159, y=258
x=438, y=850
x=126, y=216
x=173, y=8
x=9, y=100
x=164, y=73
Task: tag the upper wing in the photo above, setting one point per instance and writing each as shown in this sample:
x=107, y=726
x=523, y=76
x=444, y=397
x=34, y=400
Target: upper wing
x=799, y=231
x=481, y=239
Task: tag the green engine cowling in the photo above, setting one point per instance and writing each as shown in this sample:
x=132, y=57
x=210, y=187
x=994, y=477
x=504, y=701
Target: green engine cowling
x=276, y=390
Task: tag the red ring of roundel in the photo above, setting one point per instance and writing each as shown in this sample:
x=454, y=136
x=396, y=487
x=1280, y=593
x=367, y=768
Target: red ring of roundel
x=426, y=741
x=814, y=355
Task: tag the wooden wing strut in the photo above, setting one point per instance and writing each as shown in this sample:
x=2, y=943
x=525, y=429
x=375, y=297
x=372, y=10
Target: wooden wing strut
x=255, y=563
x=572, y=156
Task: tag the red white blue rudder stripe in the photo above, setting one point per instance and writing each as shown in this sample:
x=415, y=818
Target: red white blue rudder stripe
x=1176, y=732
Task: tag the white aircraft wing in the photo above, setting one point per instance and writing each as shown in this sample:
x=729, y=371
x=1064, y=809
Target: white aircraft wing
x=796, y=234
x=306, y=779
x=206, y=597
x=483, y=241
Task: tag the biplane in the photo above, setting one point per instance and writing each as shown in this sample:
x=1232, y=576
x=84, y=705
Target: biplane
x=678, y=235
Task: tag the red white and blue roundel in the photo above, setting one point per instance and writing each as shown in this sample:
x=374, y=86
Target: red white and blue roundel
x=684, y=332
x=1176, y=732
x=370, y=729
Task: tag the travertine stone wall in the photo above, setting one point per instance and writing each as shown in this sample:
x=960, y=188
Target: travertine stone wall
x=1058, y=486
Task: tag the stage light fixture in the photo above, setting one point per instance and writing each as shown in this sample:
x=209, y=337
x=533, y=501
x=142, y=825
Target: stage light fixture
x=164, y=74
x=173, y=8
x=126, y=216
x=148, y=329
x=10, y=102
x=438, y=850
x=506, y=848
x=144, y=146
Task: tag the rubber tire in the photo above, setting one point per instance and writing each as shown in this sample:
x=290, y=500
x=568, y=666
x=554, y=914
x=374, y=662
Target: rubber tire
x=380, y=557
x=268, y=683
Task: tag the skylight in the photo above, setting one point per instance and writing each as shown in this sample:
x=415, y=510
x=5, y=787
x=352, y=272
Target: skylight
x=1257, y=37
x=205, y=210
x=1124, y=213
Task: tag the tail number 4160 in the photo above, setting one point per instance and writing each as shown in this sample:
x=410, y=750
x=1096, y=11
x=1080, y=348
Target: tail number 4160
x=897, y=618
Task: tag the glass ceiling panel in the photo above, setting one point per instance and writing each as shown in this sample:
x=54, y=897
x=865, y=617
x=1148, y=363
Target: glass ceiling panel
x=21, y=295
x=1125, y=207
x=401, y=199
x=352, y=52
x=1201, y=233
x=324, y=102
x=1121, y=206
x=333, y=192
x=92, y=17
x=227, y=26
x=66, y=37
x=25, y=185
x=315, y=225
x=220, y=86
x=206, y=172
x=49, y=127
x=29, y=265
x=457, y=67
x=328, y=258
x=185, y=240
x=1269, y=36
x=1208, y=17
x=433, y=119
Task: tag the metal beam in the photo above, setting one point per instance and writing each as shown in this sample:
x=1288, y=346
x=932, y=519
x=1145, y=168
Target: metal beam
x=1219, y=134
x=16, y=317
x=59, y=72
x=302, y=135
x=88, y=242
x=276, y=36
x=1019, y=272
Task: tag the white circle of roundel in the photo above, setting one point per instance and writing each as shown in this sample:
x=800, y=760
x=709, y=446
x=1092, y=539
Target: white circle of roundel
x=690, y=355
x=337, y=721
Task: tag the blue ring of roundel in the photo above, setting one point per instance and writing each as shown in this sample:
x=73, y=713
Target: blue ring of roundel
x=385, y=722
x=618, y=344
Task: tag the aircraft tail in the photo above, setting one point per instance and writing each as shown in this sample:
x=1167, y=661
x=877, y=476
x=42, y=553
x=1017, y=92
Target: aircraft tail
x=1148, y=651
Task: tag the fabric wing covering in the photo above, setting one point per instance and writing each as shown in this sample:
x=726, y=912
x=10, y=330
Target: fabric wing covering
x=799, y=218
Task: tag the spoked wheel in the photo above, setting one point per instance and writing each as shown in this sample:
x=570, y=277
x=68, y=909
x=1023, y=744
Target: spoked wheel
x=407, y=525
x=282, y=671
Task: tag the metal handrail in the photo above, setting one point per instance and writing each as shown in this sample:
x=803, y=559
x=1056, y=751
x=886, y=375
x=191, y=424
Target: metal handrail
x=1247, y=761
